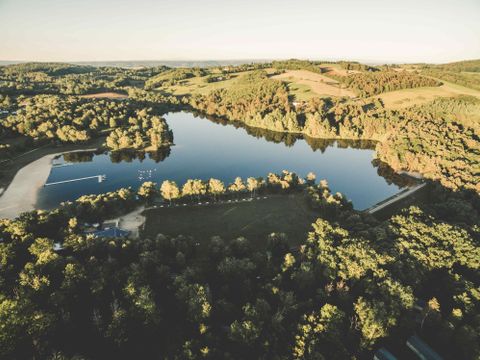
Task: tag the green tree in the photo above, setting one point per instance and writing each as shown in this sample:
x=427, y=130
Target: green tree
x=252, y=185
x=147, y=191
x=170, y=190
x=216, y=188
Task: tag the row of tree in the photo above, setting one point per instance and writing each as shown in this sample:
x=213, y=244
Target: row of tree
x=196, y=189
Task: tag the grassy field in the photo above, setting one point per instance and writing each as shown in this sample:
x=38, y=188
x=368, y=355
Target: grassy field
x=305, y=84
x=409, y=97
x=254, y=220
x=302, y=85
x=198, y=85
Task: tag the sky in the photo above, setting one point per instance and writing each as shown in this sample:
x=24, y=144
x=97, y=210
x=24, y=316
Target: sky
x=364, y=30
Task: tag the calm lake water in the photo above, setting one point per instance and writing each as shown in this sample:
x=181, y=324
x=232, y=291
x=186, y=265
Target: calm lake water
x=205, y=149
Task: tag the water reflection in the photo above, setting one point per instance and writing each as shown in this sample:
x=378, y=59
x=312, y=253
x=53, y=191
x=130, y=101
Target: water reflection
x=116, y=157
x=220, y=149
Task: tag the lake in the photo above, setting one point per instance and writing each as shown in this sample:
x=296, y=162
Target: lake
x=205, y=148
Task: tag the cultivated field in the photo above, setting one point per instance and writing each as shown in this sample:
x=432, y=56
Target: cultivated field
x=306, y=84
x=254, y=220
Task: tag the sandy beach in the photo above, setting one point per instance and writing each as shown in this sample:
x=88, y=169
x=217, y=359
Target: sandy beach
x=21, y=194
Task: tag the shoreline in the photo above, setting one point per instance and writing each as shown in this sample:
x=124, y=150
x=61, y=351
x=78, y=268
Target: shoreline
x=22, y=192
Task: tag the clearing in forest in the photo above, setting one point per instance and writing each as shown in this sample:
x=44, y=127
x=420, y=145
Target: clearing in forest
x=254, y=219
x=306, y=84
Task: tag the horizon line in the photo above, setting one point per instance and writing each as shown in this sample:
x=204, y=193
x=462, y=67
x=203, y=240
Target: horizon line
x=365, y=61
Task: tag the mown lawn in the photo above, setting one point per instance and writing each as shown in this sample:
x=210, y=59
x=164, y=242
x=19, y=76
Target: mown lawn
x=254, y=220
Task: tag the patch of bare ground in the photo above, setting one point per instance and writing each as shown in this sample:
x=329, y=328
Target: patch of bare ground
x=105, y=95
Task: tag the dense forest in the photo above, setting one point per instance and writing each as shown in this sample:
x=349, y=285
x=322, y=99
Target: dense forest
x=356, y=282
x=352, y=285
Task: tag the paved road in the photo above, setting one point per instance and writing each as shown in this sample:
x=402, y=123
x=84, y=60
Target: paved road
x=395, y=198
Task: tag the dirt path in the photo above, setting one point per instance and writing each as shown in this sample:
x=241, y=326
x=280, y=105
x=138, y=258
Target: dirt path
x=105, y=95
x=132, y=221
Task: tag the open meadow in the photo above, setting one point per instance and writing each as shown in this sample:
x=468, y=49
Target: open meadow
x=304, y=84
x=409, y=97
x=254, y=219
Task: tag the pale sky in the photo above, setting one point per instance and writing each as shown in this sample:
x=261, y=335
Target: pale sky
x=365, y=30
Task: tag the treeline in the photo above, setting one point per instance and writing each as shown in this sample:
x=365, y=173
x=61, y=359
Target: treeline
x=173, y=76
x=465, y=73
x=459, y=66
x=353, y=65
x=316, y=66
x=295, y=64
x=373, y=83
x=470, y=80
x=354, y=285
x=214, y=189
